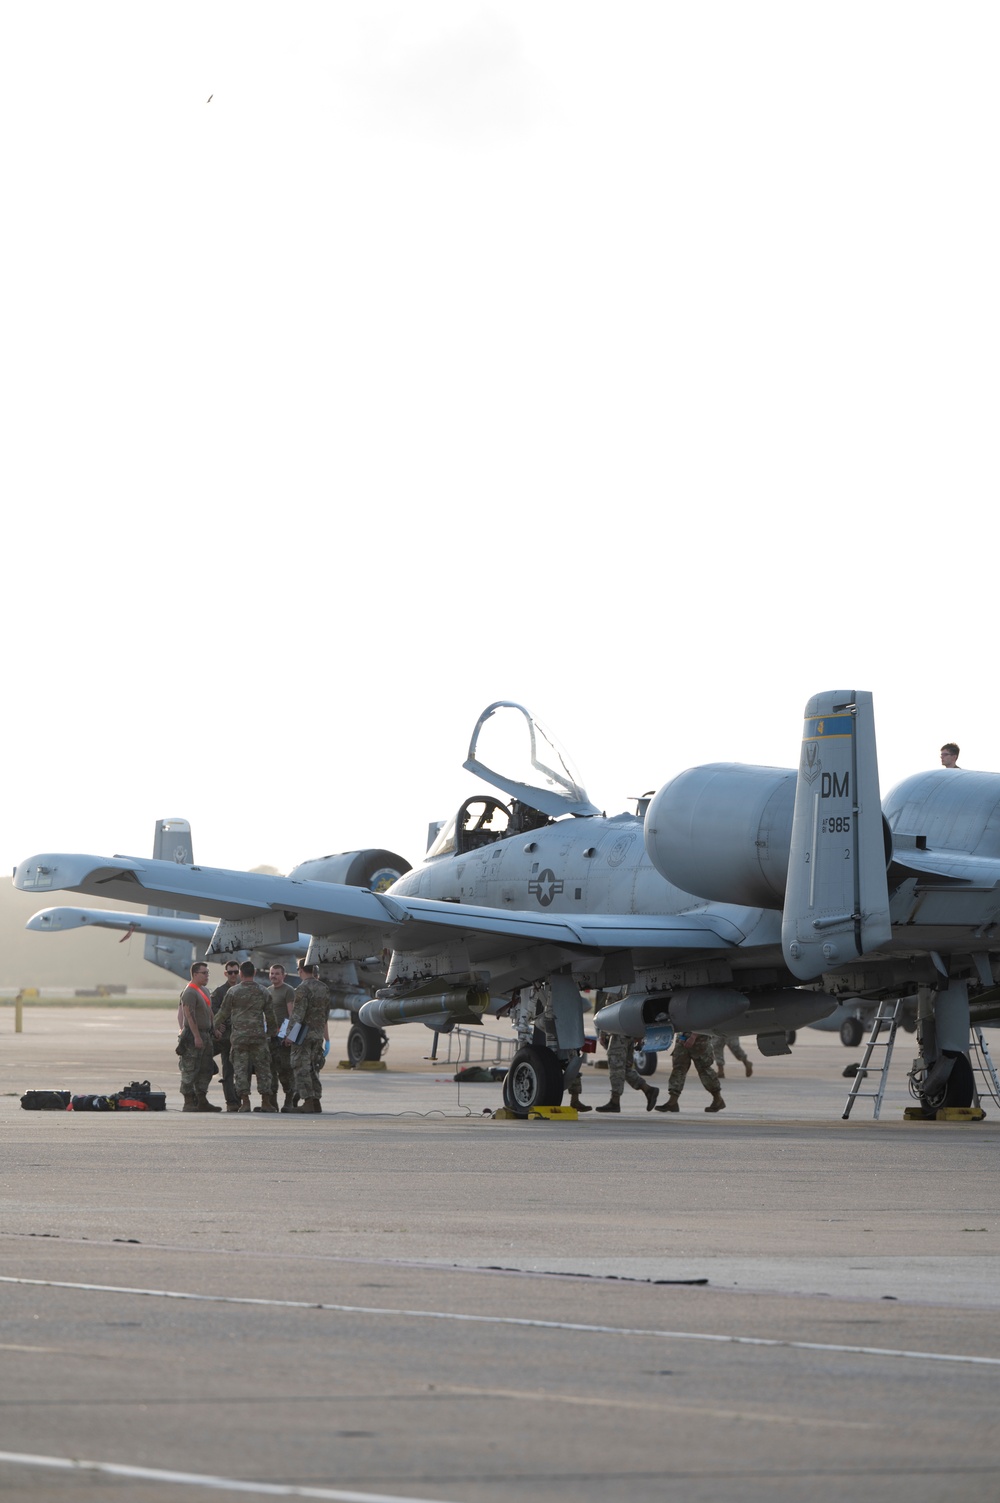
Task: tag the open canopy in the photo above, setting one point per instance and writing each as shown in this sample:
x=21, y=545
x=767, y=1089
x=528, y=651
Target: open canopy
x=536, y=769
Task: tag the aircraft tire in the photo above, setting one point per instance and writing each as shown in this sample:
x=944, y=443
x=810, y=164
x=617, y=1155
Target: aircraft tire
x=364, y=1044
x=852, y=1031
x=645, y=1061
x=535, y=1078
x=961, y=1085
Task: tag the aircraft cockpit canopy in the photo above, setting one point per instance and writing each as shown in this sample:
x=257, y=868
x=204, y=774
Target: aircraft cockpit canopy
x=538, y=775
x=536, y=771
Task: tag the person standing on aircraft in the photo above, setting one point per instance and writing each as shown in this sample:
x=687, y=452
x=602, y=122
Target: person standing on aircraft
x=949, y=754
x=312, y=1007
x=251, y=1052
x=228, y=1089
x=280, y=1000
x=693, y=1049
x=195, y=1049
x=621, y=1068
x=735, y=1048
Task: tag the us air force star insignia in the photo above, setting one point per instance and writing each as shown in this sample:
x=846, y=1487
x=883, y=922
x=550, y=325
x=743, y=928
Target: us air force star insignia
x=545, y=886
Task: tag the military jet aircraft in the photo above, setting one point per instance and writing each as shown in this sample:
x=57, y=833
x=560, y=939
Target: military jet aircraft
x=742, y=900
x=174, y=937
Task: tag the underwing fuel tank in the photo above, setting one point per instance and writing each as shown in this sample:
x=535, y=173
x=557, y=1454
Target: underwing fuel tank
x=456, y=1007
x=723, y=832
x=707, y=1009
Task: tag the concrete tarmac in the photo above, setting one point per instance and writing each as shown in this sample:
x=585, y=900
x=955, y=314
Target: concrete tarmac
x=404, y=1299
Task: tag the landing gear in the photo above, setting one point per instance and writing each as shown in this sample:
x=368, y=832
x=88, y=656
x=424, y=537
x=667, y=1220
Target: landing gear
x=535, y=1078
x=645, y=1060
x=852, y=1031
x=365, y=1044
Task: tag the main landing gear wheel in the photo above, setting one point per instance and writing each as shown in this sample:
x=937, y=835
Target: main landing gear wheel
x=364, y=1044
x=852, y=1031
x=961, y=1087
x=535, y=1078
x=645, y=1060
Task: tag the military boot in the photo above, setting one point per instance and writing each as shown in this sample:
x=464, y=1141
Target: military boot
x=614, y=1105
x=716, y=1104
x=748, y=1067
x=289, y=1102
x=671, y=1104
x=720, y=1070
x=268, y=1104
x=577, y=1104
x=204, y=1105
x=310, y=1105
x=652, y=1092
x=232, y=1106
x=190, y=1103
x=244, y=1104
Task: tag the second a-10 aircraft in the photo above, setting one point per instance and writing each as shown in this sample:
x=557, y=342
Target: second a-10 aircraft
x=738, y=900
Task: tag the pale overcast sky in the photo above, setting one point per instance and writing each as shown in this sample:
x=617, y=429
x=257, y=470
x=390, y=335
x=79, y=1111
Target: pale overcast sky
x=637, y=361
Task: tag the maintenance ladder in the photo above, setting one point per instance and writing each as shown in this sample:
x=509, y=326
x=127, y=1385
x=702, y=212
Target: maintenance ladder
x=983, y=1067
x=887, y=1020
x=472, y=1045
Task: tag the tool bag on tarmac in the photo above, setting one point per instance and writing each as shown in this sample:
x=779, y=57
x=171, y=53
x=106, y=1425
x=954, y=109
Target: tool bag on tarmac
x=137, y=1095
x=45, y=1101
x=90, y=1103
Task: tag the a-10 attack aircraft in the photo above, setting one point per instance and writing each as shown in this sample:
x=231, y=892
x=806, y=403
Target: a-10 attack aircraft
x=740, y=900
x=175, y=937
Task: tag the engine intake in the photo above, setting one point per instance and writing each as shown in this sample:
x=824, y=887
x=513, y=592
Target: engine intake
x=375, y=869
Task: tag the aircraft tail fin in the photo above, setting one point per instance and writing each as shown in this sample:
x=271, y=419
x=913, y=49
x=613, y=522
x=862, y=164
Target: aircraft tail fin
x=836, y=896
x=171, y=842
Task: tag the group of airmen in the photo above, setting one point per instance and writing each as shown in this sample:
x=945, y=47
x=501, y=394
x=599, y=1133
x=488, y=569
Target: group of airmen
x=280, y=1034
x=699, y=1049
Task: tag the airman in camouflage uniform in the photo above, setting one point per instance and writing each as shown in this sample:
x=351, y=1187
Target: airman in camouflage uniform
x=621, y=1068
x=693, y=1049
x=195, y=1049
x=243, y=1008
x=281, y=998
x=719, y=1045
x=312, y=1007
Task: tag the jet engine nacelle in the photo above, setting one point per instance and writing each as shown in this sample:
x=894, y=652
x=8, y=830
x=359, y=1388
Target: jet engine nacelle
x=723, y=832
x=374, y=869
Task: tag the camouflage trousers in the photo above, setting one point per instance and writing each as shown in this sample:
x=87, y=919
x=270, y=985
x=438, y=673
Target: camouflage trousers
x=735, y=1047
x=307, y=1061
x=281, y=1064
x=697, y=1052
x=197, y=1066
x=621, y=1053
x=252, y=1057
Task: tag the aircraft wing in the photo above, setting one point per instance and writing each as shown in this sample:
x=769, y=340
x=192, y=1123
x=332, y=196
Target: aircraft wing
x=323, y=908
x=56, y=920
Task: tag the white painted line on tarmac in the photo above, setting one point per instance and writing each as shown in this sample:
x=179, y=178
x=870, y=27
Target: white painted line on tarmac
x=513, y=1320
x=195, y=1479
